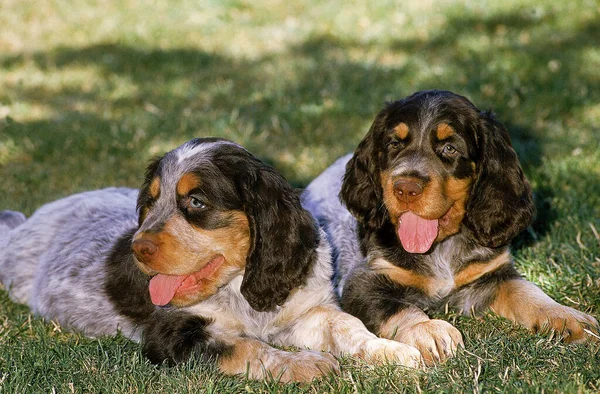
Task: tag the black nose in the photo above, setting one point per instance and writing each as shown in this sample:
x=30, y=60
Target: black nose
x=408, y=190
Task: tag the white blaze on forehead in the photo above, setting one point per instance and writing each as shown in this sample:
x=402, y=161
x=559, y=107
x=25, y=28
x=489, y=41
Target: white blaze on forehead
x=427, y=116
x=189, y=150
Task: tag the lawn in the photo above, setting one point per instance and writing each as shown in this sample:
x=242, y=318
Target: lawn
x=91, y=90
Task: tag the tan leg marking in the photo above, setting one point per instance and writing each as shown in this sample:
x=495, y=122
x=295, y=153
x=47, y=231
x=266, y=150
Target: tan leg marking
x=475, y=271
x=437, y=340
x=262, y=361
x=525, y=303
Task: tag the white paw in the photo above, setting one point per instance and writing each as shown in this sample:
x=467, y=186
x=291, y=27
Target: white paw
x=383, y=351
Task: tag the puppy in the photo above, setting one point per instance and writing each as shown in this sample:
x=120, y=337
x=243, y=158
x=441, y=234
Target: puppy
x=220, y=260
x=430, y=201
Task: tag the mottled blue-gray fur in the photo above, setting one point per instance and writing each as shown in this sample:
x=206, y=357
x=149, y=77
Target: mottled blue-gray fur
x=321, y=199
x=61, y=259
x=54, y=262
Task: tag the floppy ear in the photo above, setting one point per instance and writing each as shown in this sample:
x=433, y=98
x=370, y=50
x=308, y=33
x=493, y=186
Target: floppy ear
x=284, y=239
x=361, y=189
x=144, y=200
x=500, y=205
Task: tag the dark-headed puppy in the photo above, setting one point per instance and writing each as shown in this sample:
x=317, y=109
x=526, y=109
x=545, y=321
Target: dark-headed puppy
x=220, y=260
x=433, y=196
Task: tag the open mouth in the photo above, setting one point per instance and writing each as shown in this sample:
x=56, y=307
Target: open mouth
x=163, y=288
x=417, y=234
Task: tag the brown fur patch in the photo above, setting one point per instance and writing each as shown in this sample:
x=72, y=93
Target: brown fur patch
x=154, y=188
x=457, y=190
x=244, y=352
x=401, y=130
x=444, y=131
x=184, y=249
x=434, y=202
x=262, y=361
x=432, y=285
x=187, y=183
x=404, y=277
x=525, y=303
x=475, y=271
x=389, y=198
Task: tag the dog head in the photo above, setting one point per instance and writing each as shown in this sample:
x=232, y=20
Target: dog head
x=432, y=164
x=208, y=211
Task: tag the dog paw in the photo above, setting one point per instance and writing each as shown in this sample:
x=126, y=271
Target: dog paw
x=526, y=304
x=305, y=366
x=574, y=326
x=385, y=351
x=437, y=340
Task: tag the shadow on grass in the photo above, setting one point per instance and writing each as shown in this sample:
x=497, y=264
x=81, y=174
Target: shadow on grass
x=315, y=97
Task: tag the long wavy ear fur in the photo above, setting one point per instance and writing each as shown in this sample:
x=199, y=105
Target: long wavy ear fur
x=501, y=204
x=144, y=199
x=361, y=189
x=284, y=239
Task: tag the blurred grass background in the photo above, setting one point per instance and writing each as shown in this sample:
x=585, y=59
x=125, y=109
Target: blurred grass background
x=91, y=90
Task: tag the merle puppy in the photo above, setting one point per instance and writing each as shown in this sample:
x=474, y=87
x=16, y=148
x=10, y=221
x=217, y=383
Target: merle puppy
x=217, y=260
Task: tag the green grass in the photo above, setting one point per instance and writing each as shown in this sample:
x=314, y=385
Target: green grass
x=91, y=90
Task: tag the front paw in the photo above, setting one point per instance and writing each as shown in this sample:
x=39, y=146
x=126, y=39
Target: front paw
x=383, y=351
x=574, y=326
x=437, y=340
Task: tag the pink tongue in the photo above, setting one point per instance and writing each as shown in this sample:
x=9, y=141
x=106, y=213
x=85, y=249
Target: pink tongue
x=415, y=233
x=163, y=288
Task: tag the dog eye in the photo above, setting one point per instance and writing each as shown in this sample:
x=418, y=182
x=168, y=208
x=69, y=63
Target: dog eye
x=196, y=203
x=394, y=144
x=450, y=150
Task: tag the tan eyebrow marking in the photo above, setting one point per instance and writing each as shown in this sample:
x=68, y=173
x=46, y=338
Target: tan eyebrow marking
x=154, y=189
x=187, y=183
x=401, y=130
x=444, y=131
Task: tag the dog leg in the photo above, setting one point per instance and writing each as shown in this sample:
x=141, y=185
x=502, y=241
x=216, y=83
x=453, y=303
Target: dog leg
x=174, y=337
x=262, y=361
x=329, y=329
x=525, y=303
x=385, y=307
